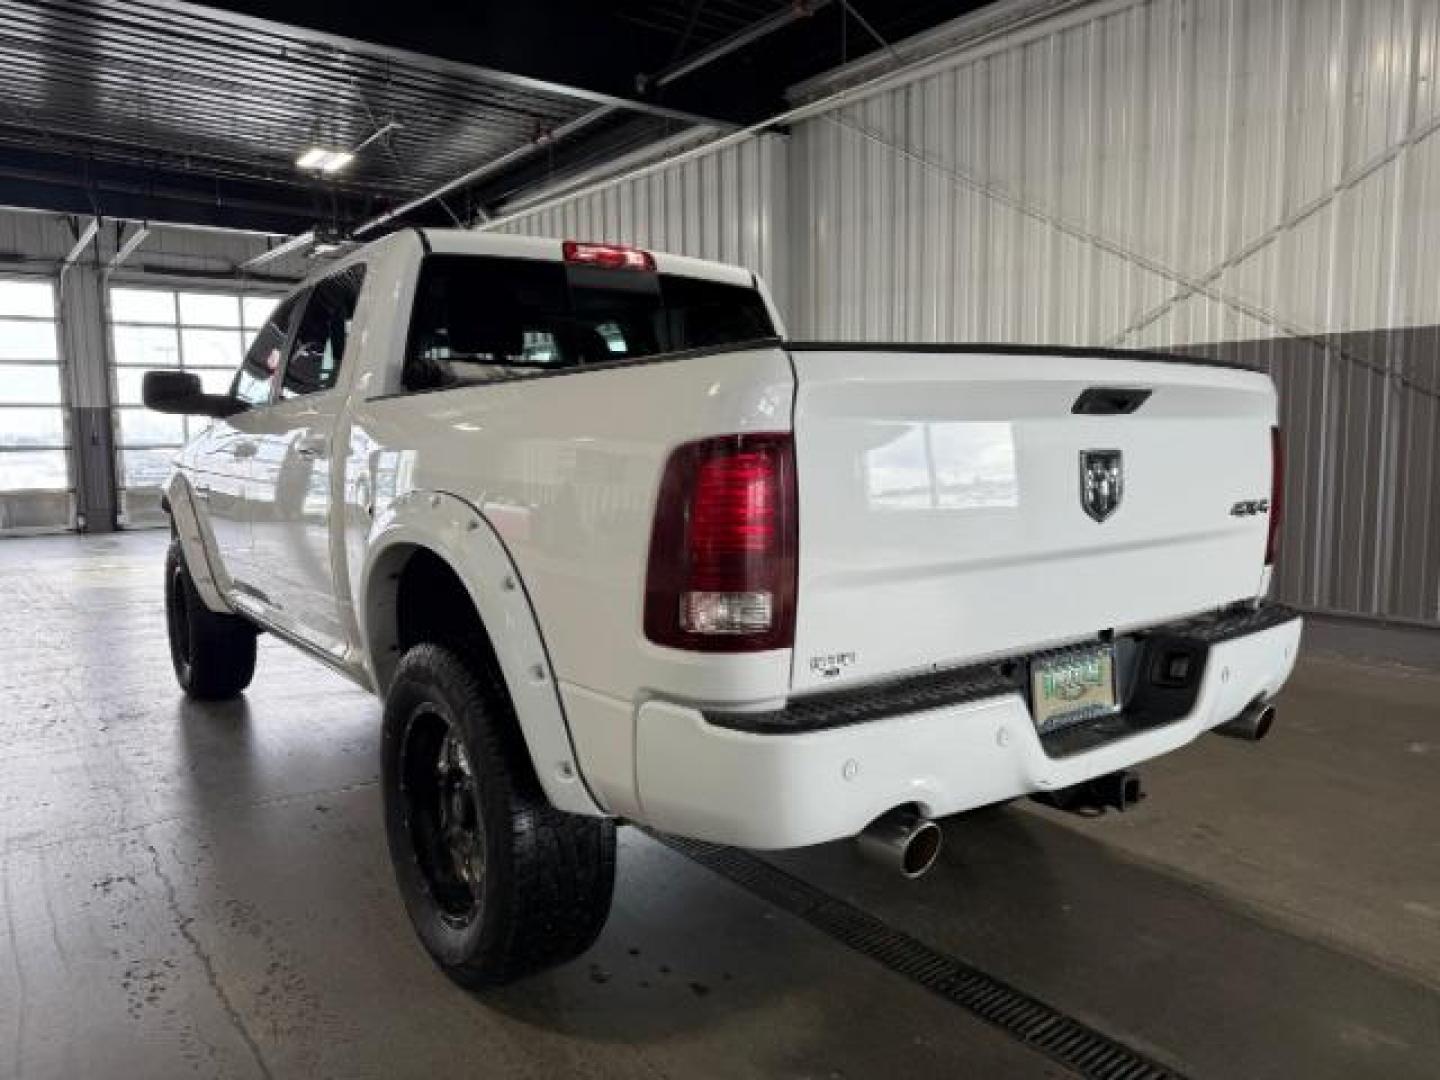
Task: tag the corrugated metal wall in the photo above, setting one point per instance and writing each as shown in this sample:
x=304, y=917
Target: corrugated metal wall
x=1253, y=178
x=728, y=206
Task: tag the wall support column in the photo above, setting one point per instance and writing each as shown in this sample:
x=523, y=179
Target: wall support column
x=84, y=345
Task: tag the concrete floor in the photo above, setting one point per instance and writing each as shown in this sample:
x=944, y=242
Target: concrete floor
x=204, y=891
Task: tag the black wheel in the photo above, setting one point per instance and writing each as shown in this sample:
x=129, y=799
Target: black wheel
x=213, y=654
x=497, y=882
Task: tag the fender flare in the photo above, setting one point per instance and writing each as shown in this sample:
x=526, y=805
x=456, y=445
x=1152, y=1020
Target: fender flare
x=458, y=533
x=197, y=544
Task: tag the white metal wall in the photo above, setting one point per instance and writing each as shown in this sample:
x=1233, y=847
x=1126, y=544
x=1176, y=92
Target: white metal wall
x=728, y=206
x=1169, y=171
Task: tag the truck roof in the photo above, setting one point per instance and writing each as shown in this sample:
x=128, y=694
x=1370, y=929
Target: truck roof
x=504, y=245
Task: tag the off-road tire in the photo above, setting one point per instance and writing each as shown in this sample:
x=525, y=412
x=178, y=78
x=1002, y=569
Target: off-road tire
x=542, y=890
x=213, y=653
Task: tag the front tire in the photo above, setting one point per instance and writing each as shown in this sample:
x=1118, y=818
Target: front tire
x=497, y=882
x=213, y=653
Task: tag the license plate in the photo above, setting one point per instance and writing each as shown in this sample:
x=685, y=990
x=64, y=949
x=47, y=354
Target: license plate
x=1072, y=687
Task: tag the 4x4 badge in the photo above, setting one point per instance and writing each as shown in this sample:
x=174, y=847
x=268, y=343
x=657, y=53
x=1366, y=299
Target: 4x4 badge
x=1102, y=482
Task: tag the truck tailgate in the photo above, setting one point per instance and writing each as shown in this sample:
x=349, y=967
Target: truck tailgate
x=942, y=516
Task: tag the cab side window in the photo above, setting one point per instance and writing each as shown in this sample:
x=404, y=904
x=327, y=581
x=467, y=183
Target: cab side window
x=319, y=346
x=255, y=380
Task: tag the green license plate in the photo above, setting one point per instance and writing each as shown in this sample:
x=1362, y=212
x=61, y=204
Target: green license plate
x=1072, y=687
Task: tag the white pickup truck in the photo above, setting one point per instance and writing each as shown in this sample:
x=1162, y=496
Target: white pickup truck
x=611, y=548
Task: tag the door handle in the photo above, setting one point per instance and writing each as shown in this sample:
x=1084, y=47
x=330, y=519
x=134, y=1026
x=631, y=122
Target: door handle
x=1109, y=401
x=243, y=450
x=310, y=446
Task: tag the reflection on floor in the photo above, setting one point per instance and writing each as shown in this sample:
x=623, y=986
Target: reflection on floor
x=203, y=891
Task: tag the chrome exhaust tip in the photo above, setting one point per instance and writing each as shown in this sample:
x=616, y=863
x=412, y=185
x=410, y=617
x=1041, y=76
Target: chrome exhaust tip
x=902, y=840
x=1252, y=725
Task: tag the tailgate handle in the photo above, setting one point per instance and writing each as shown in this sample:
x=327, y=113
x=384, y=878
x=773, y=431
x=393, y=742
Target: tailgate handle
x=1109, y=401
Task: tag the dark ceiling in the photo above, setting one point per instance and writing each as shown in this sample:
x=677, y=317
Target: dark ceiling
x=172, y=111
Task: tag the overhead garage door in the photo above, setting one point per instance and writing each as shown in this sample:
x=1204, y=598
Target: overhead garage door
x=36, y=492
x=201, y=331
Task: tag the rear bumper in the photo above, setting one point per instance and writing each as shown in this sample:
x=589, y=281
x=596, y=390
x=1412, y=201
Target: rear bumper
x=968, y=744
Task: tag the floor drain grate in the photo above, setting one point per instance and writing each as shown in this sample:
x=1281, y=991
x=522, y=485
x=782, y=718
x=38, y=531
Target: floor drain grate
x=1066, y=1040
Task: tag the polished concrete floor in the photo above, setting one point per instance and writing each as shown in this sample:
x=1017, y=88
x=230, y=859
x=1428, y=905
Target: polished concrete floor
x=203, y=891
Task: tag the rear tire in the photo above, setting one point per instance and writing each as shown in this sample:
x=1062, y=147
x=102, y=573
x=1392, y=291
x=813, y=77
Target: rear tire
x=497, y=882
x=213, y=653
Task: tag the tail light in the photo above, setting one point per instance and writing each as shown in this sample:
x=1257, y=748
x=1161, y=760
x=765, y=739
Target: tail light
x=721, y=576
x=1277, y=493
x=610, y=256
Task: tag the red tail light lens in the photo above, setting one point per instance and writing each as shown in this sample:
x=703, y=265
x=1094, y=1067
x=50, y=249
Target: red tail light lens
x=610, y=256
x=1277, y=494
x=721, y=576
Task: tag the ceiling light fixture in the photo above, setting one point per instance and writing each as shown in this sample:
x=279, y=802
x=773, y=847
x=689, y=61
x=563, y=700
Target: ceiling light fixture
x=318, y=159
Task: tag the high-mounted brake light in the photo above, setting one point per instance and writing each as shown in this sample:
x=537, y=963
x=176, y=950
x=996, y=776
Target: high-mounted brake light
x=721, y=576
x=610, y=256
x=1277, y=494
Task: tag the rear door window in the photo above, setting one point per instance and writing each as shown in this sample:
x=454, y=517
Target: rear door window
x=480, y=319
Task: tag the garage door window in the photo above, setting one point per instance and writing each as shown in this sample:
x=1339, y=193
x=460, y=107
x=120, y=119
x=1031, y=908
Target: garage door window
x=200, y=331
x=32, y=419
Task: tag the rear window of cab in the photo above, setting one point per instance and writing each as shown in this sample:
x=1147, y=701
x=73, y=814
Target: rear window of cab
x=480, y=319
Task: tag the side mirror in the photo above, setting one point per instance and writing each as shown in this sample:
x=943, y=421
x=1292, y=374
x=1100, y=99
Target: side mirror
x=181, y=392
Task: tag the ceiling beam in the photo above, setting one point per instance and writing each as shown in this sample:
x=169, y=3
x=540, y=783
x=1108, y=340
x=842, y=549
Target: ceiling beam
x=292, y=246
x=761, y=28
x=82, y=241
x=485, y=169
x=128, y=246
x=571, y=49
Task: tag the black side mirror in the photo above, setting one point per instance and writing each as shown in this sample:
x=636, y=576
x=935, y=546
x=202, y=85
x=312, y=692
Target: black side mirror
x=181, y=392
